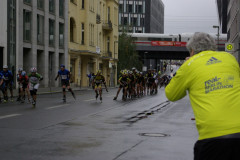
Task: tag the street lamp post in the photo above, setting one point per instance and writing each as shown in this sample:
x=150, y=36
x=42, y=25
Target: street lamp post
x=217, y=35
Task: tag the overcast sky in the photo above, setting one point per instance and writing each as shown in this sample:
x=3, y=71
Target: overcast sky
x=189, y=16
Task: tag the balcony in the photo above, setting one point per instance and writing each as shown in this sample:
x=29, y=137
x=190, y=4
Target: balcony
x=98, y=19
x=107, y=55
x=107, y=25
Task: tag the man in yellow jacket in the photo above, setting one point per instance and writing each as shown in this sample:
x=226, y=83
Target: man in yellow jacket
x=212, y=80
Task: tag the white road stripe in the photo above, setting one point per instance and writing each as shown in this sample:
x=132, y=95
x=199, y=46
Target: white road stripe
x=59, y=106
x=9, y=116
x=89, y=100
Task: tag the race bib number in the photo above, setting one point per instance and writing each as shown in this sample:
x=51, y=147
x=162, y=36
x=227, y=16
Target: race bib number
x=64, y=77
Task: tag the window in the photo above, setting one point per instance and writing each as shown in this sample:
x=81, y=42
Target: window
x=109, y=14
x=130, y=8
x=120, y=8
x=28, y=1
x=83, y=4
x=40, y=29
x=26, y=25
x=125, y=21
x=61, y=8
x=82, y=41
x=108, y=45
x=140, y=9
x=40, y=4
x=51, y=6
x=51, y=32
x=61, y=35
x=72, y=30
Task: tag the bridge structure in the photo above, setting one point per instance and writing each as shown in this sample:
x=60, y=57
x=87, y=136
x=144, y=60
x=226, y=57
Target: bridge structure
x=155, y=48
x=162, y=50
x=168, y=46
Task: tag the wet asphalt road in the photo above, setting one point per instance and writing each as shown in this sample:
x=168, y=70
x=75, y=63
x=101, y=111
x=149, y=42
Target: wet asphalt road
x=86, y=129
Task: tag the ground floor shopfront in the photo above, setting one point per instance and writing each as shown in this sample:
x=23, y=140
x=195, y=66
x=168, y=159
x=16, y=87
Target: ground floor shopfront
x=83, y=63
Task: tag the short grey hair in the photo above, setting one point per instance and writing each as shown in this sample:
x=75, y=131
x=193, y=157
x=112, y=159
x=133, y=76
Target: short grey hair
x=201, y=42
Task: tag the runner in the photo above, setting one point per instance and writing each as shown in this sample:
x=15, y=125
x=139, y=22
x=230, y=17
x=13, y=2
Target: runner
x=98, y=80
x=140, y=83
x=65, y=77
x=8, y=80
x=1, y=86
x=150, y=81
x=123, y=81
x=18, y=80
x=34, y=79
x=23, y=86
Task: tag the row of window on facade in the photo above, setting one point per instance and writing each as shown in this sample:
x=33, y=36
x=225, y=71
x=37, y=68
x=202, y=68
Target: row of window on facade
x=40, y=5
x=130, y=8
x=73, y=35
x=27, y=29
x=131, y=21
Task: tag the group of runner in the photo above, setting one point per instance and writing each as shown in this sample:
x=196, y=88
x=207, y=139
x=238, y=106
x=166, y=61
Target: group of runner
x=136, y=84
x=133, y=83
x=28, y=84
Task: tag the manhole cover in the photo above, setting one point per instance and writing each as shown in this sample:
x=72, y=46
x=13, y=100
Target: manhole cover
x=154, y=134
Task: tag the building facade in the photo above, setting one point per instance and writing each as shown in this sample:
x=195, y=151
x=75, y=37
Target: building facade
x=141, y=16
x=3, y=32
x=93, y=39
x=36, y=36
x=231, y=8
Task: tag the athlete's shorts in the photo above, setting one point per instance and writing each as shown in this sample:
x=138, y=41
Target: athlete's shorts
x=8, y=84
x=33, y=86
x=121, y=86
x=219, y=149
x=65, y=83
x=23, y=85
x=98, y=85
x=149, y=84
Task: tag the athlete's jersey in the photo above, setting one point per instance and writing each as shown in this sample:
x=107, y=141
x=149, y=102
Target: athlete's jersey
x=132, y=78
x=1, y=78
x=213, y=83
x=140, y=80
x=124, y=80
x=22, y=79
x=99, y=79
x=8, y=76
x=64, y=75
x=34, y=79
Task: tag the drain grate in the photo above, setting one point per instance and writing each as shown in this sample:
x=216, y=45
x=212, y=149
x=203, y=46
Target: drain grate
x=154, y=134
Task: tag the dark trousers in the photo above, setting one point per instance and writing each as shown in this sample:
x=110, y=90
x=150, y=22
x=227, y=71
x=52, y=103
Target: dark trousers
x=217, y=149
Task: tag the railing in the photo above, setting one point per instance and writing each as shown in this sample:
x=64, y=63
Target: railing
x=98, y=19
x=107, y=25
x=107, y=54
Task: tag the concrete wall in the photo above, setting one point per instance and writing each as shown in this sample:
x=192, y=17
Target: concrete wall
x=38, y=55
x=3, y=29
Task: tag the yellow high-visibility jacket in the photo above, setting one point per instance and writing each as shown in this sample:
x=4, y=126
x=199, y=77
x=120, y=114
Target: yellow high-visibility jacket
x=212, y=80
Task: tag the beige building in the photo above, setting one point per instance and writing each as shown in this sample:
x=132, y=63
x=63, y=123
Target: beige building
x=93, y=39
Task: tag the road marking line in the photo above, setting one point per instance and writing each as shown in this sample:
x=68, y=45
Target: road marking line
x=9, y=116
x=89, y=100
x=59, y=106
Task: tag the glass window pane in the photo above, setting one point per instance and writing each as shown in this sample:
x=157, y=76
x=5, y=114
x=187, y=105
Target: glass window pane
x=40, y=29
x=61, y=34
x=40, y=4
x=51, y=32
x=26, y=25
x=61, y=8
x=51, y=6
